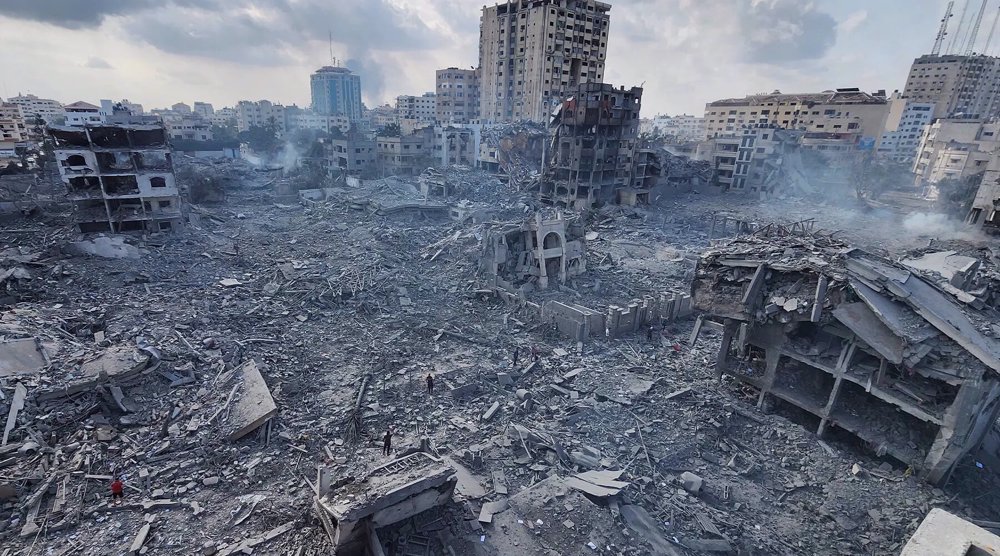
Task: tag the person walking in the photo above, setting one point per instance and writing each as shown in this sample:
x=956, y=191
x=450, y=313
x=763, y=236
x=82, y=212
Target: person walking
x=387, y=442
x=430, y=384
x=117, y=491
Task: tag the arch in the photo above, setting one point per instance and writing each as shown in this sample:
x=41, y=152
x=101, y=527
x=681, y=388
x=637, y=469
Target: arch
x=552, y=240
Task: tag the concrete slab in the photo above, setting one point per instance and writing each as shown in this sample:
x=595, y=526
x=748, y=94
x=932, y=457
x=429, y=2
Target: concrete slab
x=945, y=534
x=253, y=404
x=20, y=357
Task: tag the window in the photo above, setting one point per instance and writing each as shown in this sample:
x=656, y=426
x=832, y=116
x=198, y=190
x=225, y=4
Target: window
x=157, y=182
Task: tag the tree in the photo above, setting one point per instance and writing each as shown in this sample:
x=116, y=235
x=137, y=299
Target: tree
x=224, y=133
x=956, y=195
x=391, y=130
x=262, y=139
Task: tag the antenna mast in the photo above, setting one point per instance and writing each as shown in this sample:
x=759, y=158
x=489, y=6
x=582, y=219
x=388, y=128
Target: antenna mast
x=332, y=59
x=993, y=29
x=943, y=30
x=975, y=30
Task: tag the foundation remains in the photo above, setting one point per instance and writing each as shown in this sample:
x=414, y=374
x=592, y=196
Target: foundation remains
x=857, y=343
x=945, y=534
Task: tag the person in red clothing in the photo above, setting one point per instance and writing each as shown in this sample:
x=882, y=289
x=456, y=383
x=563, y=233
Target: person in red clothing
x=117, y=491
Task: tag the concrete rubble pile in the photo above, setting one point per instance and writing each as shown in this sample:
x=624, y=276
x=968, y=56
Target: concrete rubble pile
x=858, y=343
x=241, y=376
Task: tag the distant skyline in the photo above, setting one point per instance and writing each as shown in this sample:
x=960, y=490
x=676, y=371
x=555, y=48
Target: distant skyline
x=684, y=52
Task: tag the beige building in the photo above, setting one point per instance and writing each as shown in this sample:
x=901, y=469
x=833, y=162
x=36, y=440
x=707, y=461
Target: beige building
x=260, y=114
x=421, y=108
x=955, y=149
x=959, y=86
x=12, y=126
x=49, y=110
x=457, y=95
x=985, y=212
x=532, y=52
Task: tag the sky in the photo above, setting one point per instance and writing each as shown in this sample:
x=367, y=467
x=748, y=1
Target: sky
x=684, y=52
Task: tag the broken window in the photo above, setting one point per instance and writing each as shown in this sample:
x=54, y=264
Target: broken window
x=120, y=185
x=157, y=181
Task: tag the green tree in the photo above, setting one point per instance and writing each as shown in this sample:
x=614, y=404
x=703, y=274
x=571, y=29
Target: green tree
x=262, y=139
x=391, y=130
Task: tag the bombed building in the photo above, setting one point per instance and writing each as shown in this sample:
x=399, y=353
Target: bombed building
x=856, y=344
x=119, y=177
x=540, y=251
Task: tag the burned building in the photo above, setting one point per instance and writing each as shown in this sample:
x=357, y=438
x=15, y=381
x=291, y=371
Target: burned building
x=119, y=177
x=536, y=251
x=593, y=147
x=853, y=344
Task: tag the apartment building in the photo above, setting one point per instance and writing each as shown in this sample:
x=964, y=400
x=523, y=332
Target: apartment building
x=297, y=118
x=958, y=86
x=119, y=177
x=681, y=128
x=406, y=155
x=381, y=116
x=535, y=53
x=223, y=117
x=13, y=128
x=594, y=144
x=191, y=128
x=985, y=211
x=457, y=95
x=422, y=108
x=353, y=154
x=260, y=114
x=955, y=149
x=904, y=127
x=47, y=109
x=336, y=91
x=203, y=109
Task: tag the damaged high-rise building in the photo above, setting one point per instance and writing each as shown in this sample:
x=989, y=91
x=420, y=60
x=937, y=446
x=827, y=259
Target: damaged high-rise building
x=119, y=177
x=536, y=52
x=593, y=148
x=855, y=345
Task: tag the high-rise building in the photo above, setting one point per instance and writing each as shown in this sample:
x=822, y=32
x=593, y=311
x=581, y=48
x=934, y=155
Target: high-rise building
x=336, y=92
x=457, y=95
x=32, y=107
x=535, y=53
x=959, y=86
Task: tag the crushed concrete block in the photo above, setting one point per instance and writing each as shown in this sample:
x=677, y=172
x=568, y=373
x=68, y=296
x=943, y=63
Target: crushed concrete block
x=691, y=482
x=253, y=404
x=491, y=411
x=210, y=481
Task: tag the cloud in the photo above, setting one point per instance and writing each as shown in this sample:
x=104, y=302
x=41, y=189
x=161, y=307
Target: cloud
x=778, y=31
x=97, y=63
x=71, y=14
x=852, y=21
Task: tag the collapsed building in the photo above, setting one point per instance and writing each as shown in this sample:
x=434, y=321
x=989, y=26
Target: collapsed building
x=854, y=343
x=512, y=150
x=593, y=149
x=536, y=251
x=119, y=177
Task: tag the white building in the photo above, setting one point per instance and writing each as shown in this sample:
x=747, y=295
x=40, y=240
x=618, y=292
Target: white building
x=422, y=108
x=307, y=119
x=32, y=106
x=683, y=127
x=203, y=109
x=82, y=113
x=904, y=128
x=955, y=149
x=223, y=117
x=260, y=114
x=12, y=125
x=190, y=128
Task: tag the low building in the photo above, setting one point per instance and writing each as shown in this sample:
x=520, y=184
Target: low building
x=119, y=177
x=853, y=342
x=297, y=118
x=453, y=145
x=82, y=114
x=406, y=155
x=383, y=115
x=224, y=117
x=203, y=109
x=352, y=154
x=682, y=128
x=190, y=128
x=262, y=113
x=595, y=137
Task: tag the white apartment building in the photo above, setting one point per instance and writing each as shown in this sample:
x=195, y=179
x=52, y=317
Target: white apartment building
x=904, y=128
x=985, y=212
x=45, y=108
x=683, y=127
x=457, y=95
x=203, y=109
x=223, y=116
x=422, y=108
x=82, y=113
x=955, y=149
x=306, y=119
x=533, y=53
x=192, y=127
x=959, y=86
x=260, y=114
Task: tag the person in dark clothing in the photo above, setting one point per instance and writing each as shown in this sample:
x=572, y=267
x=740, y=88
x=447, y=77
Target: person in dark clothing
x=430, y=384
x=514, y=364
x=534, y=353
x=387, y=442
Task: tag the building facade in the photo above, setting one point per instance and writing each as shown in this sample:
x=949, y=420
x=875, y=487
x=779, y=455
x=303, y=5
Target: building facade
x=192, y=128
x=594, y=144
x=682, y=128
x=119, y=177
x=904, y=128
x=985, y=211
x=336, y=91
x=534, y=53
x=47, y=109
x=203, y=109
x=13, y=128
x=353, y=154
x=959, y=86
x=421, y=108
x=955, y=149
x=82, y=113
x=262, y=113
x=457, y=93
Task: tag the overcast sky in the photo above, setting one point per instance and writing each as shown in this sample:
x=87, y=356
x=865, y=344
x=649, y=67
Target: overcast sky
x=686, y=52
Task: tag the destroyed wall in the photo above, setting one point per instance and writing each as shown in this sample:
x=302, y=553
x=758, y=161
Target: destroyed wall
x=119, y=177
x=862, y=345
x=593, y=149
x=534, y=253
